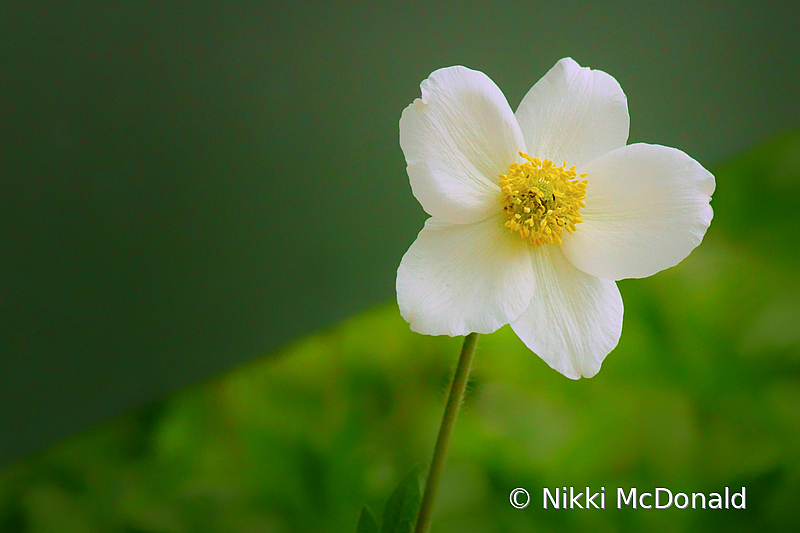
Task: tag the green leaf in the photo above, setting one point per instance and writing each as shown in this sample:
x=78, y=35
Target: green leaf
x=401, y=510
x=367, y=523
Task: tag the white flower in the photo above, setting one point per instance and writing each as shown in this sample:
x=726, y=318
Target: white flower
x=515, y=239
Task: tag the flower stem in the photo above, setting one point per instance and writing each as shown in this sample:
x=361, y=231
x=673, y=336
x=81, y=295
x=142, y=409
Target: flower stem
x=446, y=432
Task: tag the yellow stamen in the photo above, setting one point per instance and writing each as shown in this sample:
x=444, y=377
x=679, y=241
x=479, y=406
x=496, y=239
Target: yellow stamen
x=541, y=200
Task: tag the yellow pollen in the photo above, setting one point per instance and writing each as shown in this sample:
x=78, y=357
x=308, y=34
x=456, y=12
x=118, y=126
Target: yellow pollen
x=541, y=200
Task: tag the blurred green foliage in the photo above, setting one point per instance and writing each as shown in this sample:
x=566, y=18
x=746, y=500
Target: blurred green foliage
x=703, y=392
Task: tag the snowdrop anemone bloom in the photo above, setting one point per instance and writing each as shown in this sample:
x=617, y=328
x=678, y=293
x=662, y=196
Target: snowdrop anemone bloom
x=535, y=214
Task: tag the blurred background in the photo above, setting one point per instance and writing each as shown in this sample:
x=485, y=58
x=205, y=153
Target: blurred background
x=202, y=209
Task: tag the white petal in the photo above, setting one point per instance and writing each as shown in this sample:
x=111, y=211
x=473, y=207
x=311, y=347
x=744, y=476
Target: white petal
x=457, y=139
x=574, y=114
x=574, y=319
x=462, y=278
x=647, y=208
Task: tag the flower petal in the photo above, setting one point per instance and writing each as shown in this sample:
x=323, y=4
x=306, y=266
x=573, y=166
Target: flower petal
x=462, y=278
x=574, y=114
x=647, y=208
x=574, y=319
x=457, y=139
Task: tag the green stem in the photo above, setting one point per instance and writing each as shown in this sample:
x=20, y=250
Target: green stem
x=446, y=432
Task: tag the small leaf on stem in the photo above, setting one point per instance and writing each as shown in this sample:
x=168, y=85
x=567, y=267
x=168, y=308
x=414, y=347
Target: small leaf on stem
x=367, y=523
x=401, y=510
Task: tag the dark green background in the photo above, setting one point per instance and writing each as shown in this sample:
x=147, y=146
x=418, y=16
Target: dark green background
x=186, y=187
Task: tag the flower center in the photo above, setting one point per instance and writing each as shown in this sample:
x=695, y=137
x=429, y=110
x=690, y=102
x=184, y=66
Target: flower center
x=541, y=200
